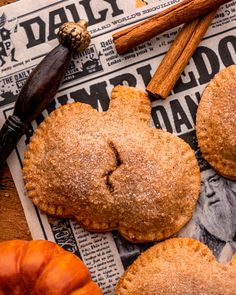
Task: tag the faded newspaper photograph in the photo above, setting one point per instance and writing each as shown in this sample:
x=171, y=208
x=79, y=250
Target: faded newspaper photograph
x=28, y=32
x=214, y=220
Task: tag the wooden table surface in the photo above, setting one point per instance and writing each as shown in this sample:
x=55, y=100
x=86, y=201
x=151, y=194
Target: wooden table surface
x=12, y=220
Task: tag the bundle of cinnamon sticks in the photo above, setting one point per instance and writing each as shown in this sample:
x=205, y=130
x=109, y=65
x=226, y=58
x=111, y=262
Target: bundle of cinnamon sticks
x=178, y=56
x=197, y=16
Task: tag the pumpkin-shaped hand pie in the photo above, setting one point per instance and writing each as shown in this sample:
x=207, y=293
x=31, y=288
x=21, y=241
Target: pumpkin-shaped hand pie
x=110, y=170
x=178, y=266
x=216, y=123
x=42, y=268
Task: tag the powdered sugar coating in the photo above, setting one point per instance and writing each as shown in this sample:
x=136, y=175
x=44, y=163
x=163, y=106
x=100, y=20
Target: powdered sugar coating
x=178, y=266
x=216, y=124
x=111, y=170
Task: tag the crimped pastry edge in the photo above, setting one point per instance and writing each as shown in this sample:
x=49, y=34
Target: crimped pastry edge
x=219, y=164
x=62, y=212
x=159, y=250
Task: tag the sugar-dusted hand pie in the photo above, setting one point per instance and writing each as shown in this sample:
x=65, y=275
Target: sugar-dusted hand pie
x=110, y=170
x=178, y=266
x=216, y=123
x=42, y=267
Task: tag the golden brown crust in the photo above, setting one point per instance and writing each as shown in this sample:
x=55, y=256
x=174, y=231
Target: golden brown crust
x=216, y=124
x=111, y=170
x=233, y=260
x=178, y=266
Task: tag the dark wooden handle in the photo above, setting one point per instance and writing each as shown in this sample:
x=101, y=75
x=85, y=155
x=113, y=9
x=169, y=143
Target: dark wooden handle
x=38, y=91
x=11, y=132
x=42, y=84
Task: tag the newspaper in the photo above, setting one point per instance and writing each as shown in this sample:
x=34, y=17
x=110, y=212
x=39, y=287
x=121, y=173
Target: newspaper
x=28, y=31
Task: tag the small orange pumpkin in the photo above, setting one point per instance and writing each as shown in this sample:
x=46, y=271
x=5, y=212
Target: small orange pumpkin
x=42, y=267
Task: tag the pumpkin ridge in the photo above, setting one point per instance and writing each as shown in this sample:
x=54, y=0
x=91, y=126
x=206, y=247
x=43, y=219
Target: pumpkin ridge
x=61, y=256
x=53, y=255
x=24, y=251
x=41, y=269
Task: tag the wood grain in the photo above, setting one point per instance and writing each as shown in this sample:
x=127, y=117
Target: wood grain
x=12, y=219
x=5, y=2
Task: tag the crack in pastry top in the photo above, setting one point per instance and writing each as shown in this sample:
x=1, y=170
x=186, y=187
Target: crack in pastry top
x=111, y=170
x=118, y=163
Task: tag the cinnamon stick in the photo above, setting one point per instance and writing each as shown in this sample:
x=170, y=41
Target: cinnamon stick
x=183, y=12
x=178, y=56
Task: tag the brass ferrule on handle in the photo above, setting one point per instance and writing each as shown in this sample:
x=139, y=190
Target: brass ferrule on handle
x=42, y=85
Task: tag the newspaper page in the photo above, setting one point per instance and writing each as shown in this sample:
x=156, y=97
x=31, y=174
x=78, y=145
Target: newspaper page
x=28, y=32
